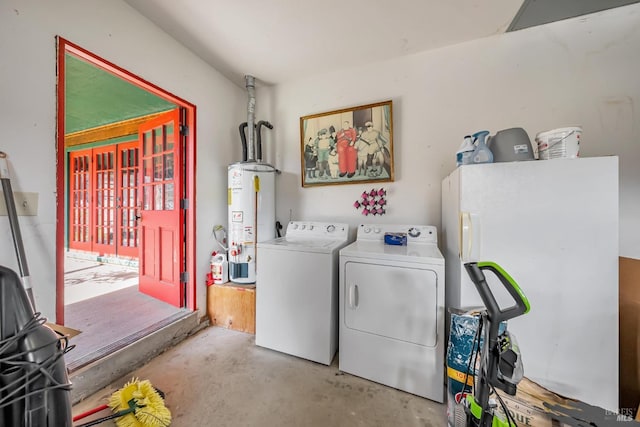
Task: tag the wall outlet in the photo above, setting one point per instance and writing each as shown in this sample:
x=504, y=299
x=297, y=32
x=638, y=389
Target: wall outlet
x=26, y=204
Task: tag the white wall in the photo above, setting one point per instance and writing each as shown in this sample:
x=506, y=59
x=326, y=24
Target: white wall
x=582, y=71
x=116, y=32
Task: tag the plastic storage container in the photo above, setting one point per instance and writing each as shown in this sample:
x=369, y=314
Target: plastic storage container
x=482, y=153
x=511, y=145
x=219, y=269
x=465, y=152
x=561, y=143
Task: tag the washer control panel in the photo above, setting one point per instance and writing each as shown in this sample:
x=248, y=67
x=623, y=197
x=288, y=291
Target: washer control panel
x=414, y=233
x=317, y=230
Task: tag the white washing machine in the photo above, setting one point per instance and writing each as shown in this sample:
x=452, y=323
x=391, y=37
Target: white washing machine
x=392, y=310
x=297, y=290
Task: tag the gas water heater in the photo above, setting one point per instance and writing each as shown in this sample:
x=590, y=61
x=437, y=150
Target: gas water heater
x=252, y=216
x=251, y=200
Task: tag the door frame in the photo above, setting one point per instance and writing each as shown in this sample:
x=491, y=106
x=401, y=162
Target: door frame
x=63, y=47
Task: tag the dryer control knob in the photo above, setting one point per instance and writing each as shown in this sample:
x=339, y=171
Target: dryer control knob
x=310, y=227
x=414, y=232
x=331, y=228
x=295, y=226
x=366, y=229
x=376, y=230
x=302, y=227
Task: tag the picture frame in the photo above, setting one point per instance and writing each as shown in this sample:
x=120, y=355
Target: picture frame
x=348, y=146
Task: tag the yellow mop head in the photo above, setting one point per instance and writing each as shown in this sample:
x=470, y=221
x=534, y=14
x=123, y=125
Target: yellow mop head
x=150, y=410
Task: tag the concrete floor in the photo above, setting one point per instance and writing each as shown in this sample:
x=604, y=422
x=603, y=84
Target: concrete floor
x=220, y=377
x=86, y=278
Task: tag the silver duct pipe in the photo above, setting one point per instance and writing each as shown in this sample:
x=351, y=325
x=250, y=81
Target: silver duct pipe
x=251, y=88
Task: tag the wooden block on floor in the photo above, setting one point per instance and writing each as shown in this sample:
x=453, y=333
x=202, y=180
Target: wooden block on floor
x=232, y=306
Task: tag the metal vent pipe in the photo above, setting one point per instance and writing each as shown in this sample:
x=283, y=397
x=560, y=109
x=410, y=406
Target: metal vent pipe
x=251, y=88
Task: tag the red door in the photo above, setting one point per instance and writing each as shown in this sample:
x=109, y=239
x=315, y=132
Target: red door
x=128, y=174
x=104, y=199
x=160, y=217
x=80, y=200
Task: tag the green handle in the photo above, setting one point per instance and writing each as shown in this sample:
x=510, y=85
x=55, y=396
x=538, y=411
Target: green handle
x=476, y=273
x=514, y=285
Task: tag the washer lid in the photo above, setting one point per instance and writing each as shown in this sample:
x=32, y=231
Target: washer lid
x=303, y=245
x=420, y=253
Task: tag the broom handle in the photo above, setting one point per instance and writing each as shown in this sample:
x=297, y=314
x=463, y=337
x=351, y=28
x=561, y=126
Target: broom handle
x=108, y=417
x=15, y=227
x=90, y=412
x=100, y=420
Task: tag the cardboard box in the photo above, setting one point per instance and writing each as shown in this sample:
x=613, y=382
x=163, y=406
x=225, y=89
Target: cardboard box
x=528, y=408
x=629, y=300
x=534, y=405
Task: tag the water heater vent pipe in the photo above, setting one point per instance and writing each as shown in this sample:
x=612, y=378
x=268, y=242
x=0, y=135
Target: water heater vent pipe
x=251, y=88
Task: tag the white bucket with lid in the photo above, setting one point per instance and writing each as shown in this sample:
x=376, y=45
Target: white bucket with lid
x=561, y=143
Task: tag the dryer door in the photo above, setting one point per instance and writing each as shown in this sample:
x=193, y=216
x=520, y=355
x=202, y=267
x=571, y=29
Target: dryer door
x=392, y=301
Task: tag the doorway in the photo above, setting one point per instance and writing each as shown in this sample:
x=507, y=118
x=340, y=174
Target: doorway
x=104, y=212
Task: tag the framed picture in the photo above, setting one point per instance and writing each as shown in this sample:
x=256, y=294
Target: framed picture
x=349, y=146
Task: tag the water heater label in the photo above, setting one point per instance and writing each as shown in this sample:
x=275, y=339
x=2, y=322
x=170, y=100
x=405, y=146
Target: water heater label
x=236, y=216
x=235, y=178
x=248, y=234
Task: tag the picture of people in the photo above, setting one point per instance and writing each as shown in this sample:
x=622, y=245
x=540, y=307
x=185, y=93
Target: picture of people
x=349, y=146
x=310, y=158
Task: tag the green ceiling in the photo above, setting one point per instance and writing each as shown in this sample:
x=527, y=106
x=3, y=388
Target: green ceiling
x=94, y=97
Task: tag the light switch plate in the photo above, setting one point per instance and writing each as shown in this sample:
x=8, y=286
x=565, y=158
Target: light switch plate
x=26, y=204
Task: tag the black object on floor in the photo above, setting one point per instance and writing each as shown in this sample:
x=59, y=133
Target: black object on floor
x=34, y=385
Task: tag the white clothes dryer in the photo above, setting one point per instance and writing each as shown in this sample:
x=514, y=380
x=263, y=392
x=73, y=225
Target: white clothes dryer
x=297, y=290
x=392, y=310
